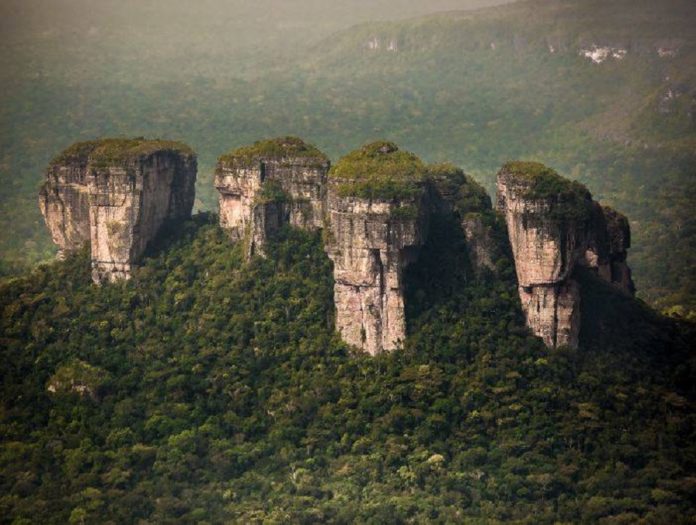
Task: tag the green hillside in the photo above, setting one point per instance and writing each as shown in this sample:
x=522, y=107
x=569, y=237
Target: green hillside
x=478, y=88
x=208, y=391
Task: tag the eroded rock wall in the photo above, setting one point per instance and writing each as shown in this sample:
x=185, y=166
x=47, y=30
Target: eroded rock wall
x=129, y=205
x=117, y=206
x=257, y=199
x=546, y=243
x=370, y=242
x=553, y=227
x=64, y=203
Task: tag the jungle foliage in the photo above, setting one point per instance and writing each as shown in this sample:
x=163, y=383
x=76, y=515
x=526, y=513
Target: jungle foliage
x=219, y=392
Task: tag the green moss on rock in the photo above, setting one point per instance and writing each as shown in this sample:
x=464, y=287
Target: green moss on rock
x=544, y=182
x=405, y=213
x=569, y=199
x=466, y=195
x=115, y=151
x=274, y=149
x=272, y=191
x=379, y=170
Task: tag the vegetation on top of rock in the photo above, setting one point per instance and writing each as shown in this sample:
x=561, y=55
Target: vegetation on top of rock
x=452, y=183
x=279, y=148
x=544, y=182
x=109, y=151
x=569, y=199
x=379, y=170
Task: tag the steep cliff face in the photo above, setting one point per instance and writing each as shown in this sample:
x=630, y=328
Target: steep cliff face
x=553, y=226
x=268, y=184
x=116, y=194
x=608, y=240
x=377, y=219
x=64, y=202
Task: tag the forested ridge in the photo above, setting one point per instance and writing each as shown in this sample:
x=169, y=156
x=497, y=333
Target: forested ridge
x=210, y=390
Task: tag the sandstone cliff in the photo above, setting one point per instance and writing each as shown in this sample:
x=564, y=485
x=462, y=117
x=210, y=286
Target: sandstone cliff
x=377, y=219
x=116, y=194
x=553, y=225
x=375, y=207
x=269, y=184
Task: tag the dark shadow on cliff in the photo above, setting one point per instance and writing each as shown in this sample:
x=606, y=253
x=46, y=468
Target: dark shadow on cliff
x=177, y=232
x=443, y=273
x=443, y=290
x=441, y=270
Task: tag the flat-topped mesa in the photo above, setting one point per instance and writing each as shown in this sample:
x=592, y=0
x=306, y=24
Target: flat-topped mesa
x=377, y=220
x=553, y=225
x=116, y=194
x=453, y=192
x=269, y=184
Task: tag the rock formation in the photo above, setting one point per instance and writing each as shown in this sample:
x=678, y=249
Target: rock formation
x=553, y=225
x=375, y=207
x=608, y=240
x=377, y=219
x=269, y=184
x=453, y=193
x=115, y=194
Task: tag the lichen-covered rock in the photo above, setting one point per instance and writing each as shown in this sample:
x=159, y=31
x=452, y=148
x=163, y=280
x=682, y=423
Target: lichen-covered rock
x=553, y=226
x=116, y=194
x=377, y=220
x=269, y=184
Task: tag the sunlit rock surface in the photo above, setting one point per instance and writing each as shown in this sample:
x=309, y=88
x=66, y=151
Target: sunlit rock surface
x=269, y=184
x=116, y=194
x=377, y=221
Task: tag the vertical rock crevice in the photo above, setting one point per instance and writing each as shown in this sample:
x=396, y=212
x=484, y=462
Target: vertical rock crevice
x=377, y=219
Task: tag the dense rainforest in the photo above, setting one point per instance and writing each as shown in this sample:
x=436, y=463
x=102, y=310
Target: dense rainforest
x=209, y=390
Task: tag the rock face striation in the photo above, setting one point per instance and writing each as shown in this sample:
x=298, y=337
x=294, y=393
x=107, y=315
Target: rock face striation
x=116, y=194
x=269, y=184
x=554, y=226
x=377, y=219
